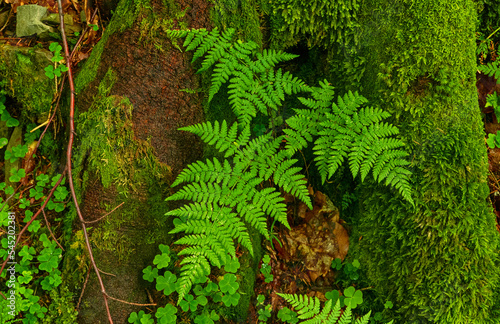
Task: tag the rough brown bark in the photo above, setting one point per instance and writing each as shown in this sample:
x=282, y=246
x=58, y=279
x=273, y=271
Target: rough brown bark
x=150, y=77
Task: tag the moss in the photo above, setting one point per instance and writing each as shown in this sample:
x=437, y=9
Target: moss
x=438, y=261
x=127, y=10
x=61, y=309
x=241, y=15
x=247, y=274
x=23, y=78
x=122, y=162
x=170, y=16
x=109, y=137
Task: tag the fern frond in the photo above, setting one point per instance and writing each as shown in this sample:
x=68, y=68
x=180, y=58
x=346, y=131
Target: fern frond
x=290, y=179
x=192, y=42
x=205, y=172
x=220, y=46
x=491, y=69
x=346, y=130
x=206, y=247
x=306, y=306
x=180, y=33
x=193, y=267
x=308, y=309
x=219, y=135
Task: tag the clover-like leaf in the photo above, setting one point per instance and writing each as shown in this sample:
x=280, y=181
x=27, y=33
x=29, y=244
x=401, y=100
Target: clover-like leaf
x=231, y=299
x=25, y=278
x=228, y=284
x=166, y=283
x=264, y=313
x=35, y=226
x=162, y=260
x=23, y=203
x=166, y=315
x=217, y=297
x=232, y=266
x=42, y=179
x=27, y=253
x=388, y=304
x=59, y=207
x=49, y=72
x=55, y=47
x=353, y=297
x=261, y=299
x=52, y=281
x=164, y=248
x=189, y=303
x=150, y=273
x=61, y=193
x=20, y=151
x=287, y=315
x=333, y=295
x=17, y=175
x=211, y=286
x=12, y=122
x=337, y=264
x=202, y=300
x=9, y=190
x=55, y=179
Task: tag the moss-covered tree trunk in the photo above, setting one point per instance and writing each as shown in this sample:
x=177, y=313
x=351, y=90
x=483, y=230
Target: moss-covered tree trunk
x=129, y=107
x=436, y=261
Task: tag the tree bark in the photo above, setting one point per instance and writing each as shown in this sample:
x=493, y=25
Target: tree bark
x=130, y=106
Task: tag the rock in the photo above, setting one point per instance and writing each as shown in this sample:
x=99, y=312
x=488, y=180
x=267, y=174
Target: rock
x=29, y=21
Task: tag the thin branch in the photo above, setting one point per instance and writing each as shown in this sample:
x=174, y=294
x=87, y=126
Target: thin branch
x=83, y=289
x=126, y=302
x=68, y=159
x=96, y=220
x=107, y=273
x=51, y=234
x=87, y=28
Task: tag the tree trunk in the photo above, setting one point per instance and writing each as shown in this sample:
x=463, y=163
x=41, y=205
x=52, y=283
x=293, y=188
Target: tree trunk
x=437, y=262
x=129, y=107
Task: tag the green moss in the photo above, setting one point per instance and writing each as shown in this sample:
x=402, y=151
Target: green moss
x=62, y=308
x=123, y=18
x=23, y=78
x=438, y=262
x=154, y=23
x=110, y=151
x=246, y=275
x=115, y=154
x=241, y=15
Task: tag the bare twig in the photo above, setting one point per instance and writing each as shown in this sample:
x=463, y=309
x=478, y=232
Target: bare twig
x=83, y=290
x=87, y=28
x=107, y=273
x=51, y=234
x=68, y=159
x=126, y=302
x=8, y=18
x=96, y=220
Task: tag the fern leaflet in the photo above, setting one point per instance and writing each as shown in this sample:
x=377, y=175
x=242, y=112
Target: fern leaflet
x=254, y=85
x=308, y=309
x=227, y=197
x=345, y=130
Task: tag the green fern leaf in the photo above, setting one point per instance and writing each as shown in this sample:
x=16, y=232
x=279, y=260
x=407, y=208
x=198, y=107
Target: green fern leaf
x=347, y=130
x=308, y=309
x=192, y=43
x=193, y=268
